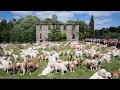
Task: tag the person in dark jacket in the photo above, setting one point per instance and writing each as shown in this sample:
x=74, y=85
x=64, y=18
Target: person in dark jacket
x=118, y=44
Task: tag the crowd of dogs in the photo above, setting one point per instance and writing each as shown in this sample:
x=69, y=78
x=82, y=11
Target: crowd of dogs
x=87, y=54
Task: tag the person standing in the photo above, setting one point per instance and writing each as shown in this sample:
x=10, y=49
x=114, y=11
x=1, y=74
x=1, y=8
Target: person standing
x=118, y=44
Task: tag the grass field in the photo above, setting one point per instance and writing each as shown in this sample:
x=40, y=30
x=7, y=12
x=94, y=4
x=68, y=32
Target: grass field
x=80, y=72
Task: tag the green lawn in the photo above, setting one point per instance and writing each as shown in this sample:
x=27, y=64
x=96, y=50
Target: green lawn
x=80, y=72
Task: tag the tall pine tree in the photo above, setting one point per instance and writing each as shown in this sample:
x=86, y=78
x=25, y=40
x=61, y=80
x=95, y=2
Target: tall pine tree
x=91, y=27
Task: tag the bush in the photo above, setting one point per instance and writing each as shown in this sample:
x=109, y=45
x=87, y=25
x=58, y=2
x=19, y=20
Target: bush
x=111, y=35
x=81, y=36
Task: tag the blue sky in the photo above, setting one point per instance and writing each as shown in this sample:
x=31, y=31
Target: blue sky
x=102, y=19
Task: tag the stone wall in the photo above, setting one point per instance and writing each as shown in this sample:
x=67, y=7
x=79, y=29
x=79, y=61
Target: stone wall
x=43, y=29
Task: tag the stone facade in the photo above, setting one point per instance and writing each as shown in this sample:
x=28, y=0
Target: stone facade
x=72, y=31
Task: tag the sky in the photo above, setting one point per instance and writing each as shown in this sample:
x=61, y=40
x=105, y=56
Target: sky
x=102, y=19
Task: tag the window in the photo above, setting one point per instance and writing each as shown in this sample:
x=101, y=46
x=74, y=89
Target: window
x=40, y=35
x=40, y=27
x=73, y=36
x=64, y=27
x=73, y=27
x=58, y=27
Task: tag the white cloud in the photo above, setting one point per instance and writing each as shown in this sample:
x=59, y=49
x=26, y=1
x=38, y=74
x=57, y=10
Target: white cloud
x=22, y=13
x=68, y=15
x=44, y=14
x=99, y=23
x=102, y=23
x=96, y=13
x=105, y=21
x=62, y=15
x=16, y=17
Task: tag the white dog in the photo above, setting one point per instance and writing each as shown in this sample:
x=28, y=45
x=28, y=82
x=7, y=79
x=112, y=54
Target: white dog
x=60, y=66
x=101, y=74
x=47, y=70
x=78, y=53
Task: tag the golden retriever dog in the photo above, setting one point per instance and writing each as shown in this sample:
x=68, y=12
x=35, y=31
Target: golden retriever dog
x=32, y=66
x=22, y=66
x=61, y=53
x=41, y=57
x=20, y=46
x=12, y=69
x=46, y=58
x=97, y=54
x=71, y=66
x=116, y=73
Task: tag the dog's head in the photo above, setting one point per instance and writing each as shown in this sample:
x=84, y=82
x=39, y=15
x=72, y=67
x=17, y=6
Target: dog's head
x=108, y=75
x=102, y=72
x=18, y=65
x=114, y=75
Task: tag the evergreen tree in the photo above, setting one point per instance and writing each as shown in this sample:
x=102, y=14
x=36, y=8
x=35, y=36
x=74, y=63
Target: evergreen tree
x=91, y=27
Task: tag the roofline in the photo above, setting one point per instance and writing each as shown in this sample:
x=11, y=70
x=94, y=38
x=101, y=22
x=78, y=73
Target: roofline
x=54, y=24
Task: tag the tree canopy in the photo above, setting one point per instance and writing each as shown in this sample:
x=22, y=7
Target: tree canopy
x=24, y=30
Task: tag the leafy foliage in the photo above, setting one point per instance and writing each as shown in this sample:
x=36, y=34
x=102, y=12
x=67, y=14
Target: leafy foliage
x=56, y=35
x=81, y=36
x=5, y=29
x=48, y=20
x=24, y=30
x=111, y=32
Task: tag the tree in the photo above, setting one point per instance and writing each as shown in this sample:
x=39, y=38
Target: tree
x=26, y=29
x=56, y=35
x=9, y=25
x=112, y=29
x=118, y=29
x=54, y=17
x=3, y=24
x=83, y=27
x=16, y=34
x=5, y=30
x=20, y=20
x=48, y=20
x=64, y=36
x=91, y=27
x=97, y=34
x=14, y=22
x=81, y=36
